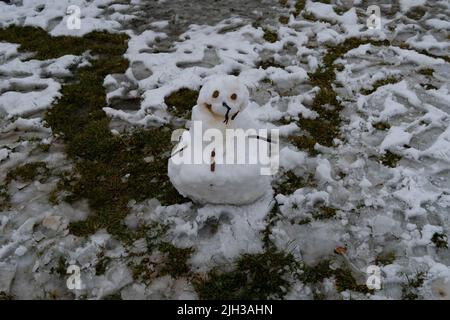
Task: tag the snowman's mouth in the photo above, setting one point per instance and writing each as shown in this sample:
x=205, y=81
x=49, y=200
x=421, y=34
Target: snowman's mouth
x=226, y=114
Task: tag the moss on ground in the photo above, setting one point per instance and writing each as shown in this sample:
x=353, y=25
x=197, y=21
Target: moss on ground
x=143, y=271
x=381, y=125
x=325, y=128
x=320, y=213
x=426, y=71
x=305, y=142
x=390, y=159
x=345, y=281
x=324, y=212
x=289, y=182
x=385, y=258
x=299, y=6
x=110, y=170
x=269, y=62
x=380, y=83
x=173, y=262
x=416, y=13
x=61, y=267
x=44, y=147
x=6, y=296
x=271, y=219
x=181, y=101
x=102, y=264
x=283, y=19
x=256, y=276
x=343, y=277
x=176, y=260
x=440, y=240
x=5, y=198
x=315, y=274
x=113, y=296
x=428, y=86
x=270, y=36
x=409, y=289
x=28, y=172
x=311, y=17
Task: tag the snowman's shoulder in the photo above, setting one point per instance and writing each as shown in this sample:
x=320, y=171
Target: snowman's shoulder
x=197, y=113
x=246, y=121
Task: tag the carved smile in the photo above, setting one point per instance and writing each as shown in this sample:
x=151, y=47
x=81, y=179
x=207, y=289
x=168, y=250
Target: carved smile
x=226, y=114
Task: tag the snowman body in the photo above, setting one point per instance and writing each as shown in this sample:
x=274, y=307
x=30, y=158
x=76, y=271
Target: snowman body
x=220, y=107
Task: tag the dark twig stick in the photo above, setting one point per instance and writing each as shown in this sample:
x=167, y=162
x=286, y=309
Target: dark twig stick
x=213, y=162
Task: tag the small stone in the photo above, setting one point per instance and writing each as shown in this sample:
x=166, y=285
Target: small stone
x=4, y=153
x=139, y=246
x=22, y=185
x=38, y=236
x=20, y=251
x=149, y=159
x=52, y=222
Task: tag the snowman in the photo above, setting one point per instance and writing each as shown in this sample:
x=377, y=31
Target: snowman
x=208, y=165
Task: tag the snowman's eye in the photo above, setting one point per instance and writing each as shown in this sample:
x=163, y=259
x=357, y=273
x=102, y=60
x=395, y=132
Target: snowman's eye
x=215, y=94
x=233, y=96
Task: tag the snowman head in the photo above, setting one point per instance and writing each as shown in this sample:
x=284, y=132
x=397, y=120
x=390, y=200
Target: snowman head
x=224, y=97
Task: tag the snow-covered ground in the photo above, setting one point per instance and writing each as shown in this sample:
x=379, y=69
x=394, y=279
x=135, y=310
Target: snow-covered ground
x=399, y=211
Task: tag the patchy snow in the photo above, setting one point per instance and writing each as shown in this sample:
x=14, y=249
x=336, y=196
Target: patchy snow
x=52, y=16
x=395, y=137
x=378, y=209
x=405, y=5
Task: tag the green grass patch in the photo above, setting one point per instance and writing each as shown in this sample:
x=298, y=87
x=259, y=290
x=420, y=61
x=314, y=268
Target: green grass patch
x=440, y=240
x=176, y=260
x=270, y=36
x=380, y=83
x=271, y=219
x=299, y=6
x=102, y=265
x=343, y=277
x=61, y=267
x=180, y=102
x=29, y=172
x=173, y=262
x=428, y=86
x=385, y=258
x=416, y=13
x=310, y=16
x=283, y=19
x=317, y=273
x=409, y=289
x=109, y=170
x=426, y=71
x=269, y=62
x=324, y=212
x=325, y=128
x=256, y=276
x=305, y=142
x=5, y=198
x=6, y=296
x=113, y=296
x=381, y=125
x=390, y=159
x=288, y=183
